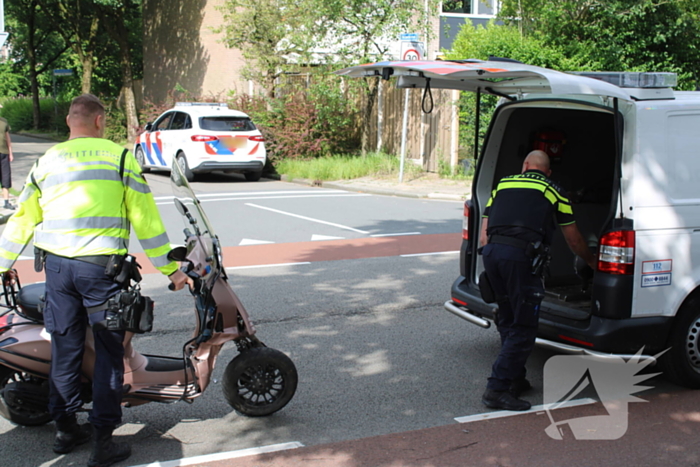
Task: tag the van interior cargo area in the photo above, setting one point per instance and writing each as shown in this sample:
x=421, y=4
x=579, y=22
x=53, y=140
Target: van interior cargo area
x=585, y=171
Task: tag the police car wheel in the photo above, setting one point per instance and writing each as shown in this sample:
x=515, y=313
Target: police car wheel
x=184, y=167
x=681, y=363
x=141, y=159
x=17, y=412
x=259, y=381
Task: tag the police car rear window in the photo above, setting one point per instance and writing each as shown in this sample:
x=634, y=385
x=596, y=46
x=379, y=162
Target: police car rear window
x=226, y=124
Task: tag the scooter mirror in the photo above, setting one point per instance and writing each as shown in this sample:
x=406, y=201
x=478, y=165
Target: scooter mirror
x=178, y=254
x=180, y=207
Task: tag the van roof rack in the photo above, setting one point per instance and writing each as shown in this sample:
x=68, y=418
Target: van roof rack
x=633, y=79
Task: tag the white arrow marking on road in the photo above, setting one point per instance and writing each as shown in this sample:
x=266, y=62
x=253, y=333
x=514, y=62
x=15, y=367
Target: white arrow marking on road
x=250, y=241
x=345, y=227
x=316, y=238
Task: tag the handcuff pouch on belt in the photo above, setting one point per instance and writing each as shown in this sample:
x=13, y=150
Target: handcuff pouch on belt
x=128, y=310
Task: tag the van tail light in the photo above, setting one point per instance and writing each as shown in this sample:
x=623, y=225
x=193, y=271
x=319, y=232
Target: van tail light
x=203, y=138
x=465, y=223
x=257, y=138
x=616, y=252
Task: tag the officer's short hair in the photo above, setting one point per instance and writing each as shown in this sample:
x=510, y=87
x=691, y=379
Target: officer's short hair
x=86, y=105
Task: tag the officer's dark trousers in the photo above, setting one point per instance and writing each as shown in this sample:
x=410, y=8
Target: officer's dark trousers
x=71, y=287
x=520, y=294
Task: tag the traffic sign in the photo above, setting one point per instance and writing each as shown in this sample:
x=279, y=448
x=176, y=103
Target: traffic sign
x=412, y=50
x=410, y=36
x=62, y=72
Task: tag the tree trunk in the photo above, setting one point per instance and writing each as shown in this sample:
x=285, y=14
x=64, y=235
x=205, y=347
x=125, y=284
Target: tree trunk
x=33, y=81
x=86, y=79
x=132, y=119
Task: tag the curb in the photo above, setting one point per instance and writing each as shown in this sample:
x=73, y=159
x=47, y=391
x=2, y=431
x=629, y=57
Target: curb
x=375, y=191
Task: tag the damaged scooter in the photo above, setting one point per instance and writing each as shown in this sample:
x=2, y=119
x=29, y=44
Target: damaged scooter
x=257, y=382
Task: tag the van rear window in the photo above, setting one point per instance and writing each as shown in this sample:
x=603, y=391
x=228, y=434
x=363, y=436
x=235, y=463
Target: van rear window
x=226, y=124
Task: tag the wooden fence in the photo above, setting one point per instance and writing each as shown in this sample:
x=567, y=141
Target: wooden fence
x=431, y=137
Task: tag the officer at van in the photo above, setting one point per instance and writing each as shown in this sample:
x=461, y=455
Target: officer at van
x=79, y=210
x=517, y=228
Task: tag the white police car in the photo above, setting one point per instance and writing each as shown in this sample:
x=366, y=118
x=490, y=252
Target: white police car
x=202, y=138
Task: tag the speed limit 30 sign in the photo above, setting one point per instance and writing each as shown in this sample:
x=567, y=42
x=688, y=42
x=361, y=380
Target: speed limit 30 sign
x=412, y=50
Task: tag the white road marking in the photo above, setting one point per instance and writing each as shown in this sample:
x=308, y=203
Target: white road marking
x=317, y=238
x=249, y=198
x=225, y=455
x=534, y=408
x=345, y=227
x=265, y=265
x=253, y=193
x=395, y=234
x=25, y=258
x=431, y=254
x=250, y=241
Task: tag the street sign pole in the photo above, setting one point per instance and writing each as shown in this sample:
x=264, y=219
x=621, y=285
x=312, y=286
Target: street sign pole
x=411, y=49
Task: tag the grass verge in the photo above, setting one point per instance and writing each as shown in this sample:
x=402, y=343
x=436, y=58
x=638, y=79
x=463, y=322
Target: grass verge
x=344, y=167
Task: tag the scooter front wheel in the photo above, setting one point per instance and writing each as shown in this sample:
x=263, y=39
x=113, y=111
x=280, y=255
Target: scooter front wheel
x=27, y=413
x=259, y=381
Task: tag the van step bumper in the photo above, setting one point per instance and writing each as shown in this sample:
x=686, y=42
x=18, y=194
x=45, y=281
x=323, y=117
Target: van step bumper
x=464, y=314
x=573, y=350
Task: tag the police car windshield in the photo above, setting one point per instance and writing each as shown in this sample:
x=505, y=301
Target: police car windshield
x=226, y=124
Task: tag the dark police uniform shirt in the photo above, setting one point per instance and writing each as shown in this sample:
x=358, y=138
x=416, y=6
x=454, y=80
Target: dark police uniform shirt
x=526, y=206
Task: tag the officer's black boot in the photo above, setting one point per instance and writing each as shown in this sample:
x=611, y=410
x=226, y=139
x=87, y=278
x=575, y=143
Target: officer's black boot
x=520, y=386
x=69, y=434
x=105, y=451
x=503, y=400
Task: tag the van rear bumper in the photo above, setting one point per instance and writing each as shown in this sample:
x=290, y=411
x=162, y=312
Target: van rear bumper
x=595, y=334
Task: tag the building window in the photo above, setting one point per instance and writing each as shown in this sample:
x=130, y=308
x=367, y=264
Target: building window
x=470, y=7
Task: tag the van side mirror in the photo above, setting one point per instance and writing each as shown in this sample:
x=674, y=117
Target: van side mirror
x=149, y=126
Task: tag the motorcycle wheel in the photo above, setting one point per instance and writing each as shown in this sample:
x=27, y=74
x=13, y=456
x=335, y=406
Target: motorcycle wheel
x=18, y=414
x=259, y=381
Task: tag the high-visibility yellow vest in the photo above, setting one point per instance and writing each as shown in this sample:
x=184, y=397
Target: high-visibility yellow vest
x=74, y=204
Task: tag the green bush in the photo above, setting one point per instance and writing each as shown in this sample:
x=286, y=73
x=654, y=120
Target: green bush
x=343, y=167
x=501, y=41
x=19, y=113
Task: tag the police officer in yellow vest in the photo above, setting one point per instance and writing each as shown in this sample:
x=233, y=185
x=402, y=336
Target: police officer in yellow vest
x=79, y=211
x=517, y=228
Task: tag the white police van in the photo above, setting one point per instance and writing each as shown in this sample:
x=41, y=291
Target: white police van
x=626, y=147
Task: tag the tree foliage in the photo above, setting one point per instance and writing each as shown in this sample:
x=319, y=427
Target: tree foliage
x=617, y=35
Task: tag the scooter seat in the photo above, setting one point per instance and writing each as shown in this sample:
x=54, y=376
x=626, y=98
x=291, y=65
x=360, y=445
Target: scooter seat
x=29, y=297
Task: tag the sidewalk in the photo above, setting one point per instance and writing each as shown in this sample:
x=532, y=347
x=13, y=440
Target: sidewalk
x=427, y=185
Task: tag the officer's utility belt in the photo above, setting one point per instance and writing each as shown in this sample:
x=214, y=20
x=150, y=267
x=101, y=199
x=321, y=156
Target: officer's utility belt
x=537, y=251
x=122, y=269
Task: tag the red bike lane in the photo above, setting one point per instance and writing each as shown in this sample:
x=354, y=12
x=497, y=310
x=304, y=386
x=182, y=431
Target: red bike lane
x=665, y=431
